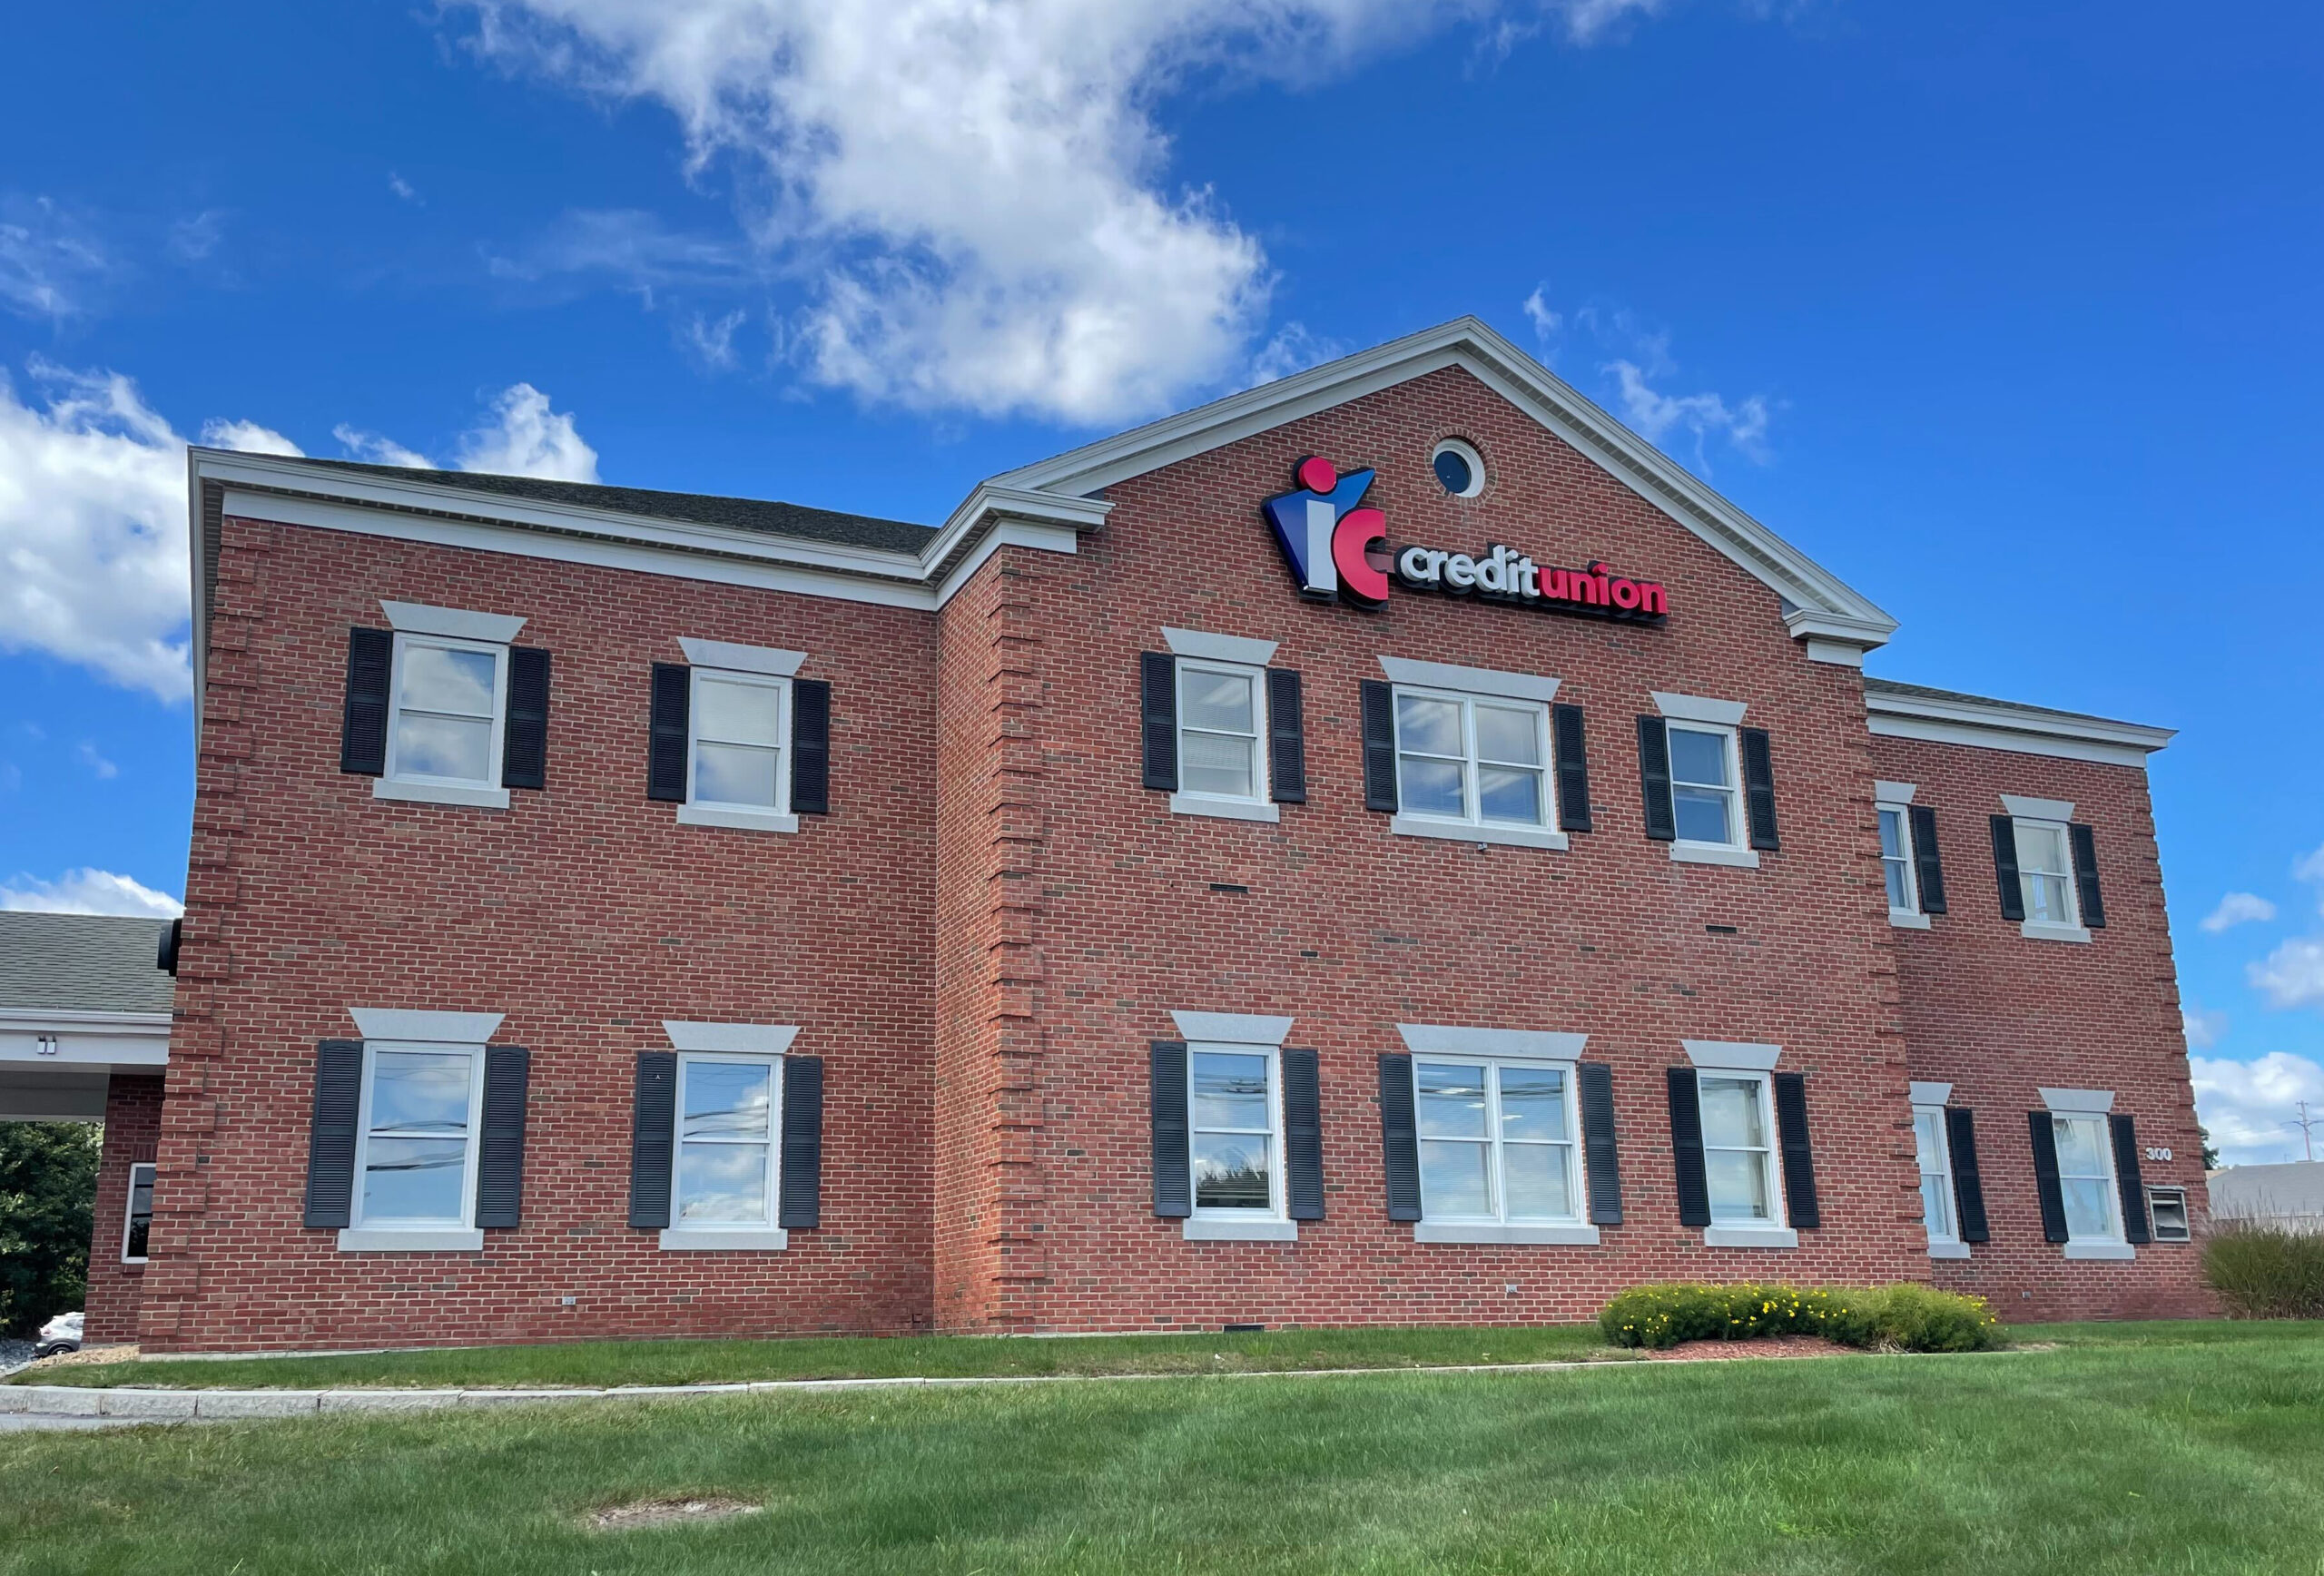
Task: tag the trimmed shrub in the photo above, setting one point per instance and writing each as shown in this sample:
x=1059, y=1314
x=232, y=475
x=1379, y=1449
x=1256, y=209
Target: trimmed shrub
x=1897, y=1318
x=2265, y=1272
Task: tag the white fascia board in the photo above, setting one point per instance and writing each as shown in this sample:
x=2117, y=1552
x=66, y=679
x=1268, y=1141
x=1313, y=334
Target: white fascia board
x=1467, y=342
x=1945, y=720
x=44, y=1020
x=996, y=500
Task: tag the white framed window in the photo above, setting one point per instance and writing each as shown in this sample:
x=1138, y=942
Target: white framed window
x=725, y=1162
x=2094, y=1208
x=738, y=749
x=416, y=1139
x=448, y=700
x=1896, y=863
x=2045, y=876
x=1222, y=733
x=1473, y=763
x=1705, y=792
x=1235, y=1110
x=1499, y=1142
x=1738, y=1147
x=1940, y=1215
x=137, y=1228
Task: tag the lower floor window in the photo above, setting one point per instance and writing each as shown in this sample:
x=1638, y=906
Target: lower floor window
x=140, y=1215
x=2086, y=1178
x=1496, y=1141
x=1233, y=1130
x=1936, y=1174
x=726, y=1150
x=1737, y=1160
x=417, y=1164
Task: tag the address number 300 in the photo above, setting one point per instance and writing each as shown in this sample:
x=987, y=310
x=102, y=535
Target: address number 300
x=2154, y=1152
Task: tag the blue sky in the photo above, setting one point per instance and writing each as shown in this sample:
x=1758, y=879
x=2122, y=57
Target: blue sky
x=2009, y=314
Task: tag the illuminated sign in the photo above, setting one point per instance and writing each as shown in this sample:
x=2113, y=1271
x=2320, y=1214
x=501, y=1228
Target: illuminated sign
x=1339, y=551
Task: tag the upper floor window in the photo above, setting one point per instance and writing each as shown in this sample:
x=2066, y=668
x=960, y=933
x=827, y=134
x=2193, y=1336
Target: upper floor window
x=2045, y=873
x=737, y=758
x=1498, y=1142
x=1708, y=780
x=448, y=699
x=1897, y=860
x=414, y=1163
x=443, y=709
x=1222, y=720
x=1472, y=760
x=2047, y=864
x=1223, y=732
x=1704, y=773
x=735, y=738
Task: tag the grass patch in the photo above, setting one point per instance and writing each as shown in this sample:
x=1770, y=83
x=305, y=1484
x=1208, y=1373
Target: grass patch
x=593, y=1365
x=2186, y=1456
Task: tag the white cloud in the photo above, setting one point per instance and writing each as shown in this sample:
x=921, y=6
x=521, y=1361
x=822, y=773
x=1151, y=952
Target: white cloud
x=375, y=450
x=249, y=437
x=88, y=892
x=713, y=339
x=89, y=756
x=50, y=261
x=2203, y=1030
x=526, y=437
x=1293, y=348
x=2292, y=975
x=2238, y=909
x=403, y=189
x=629, y=246
x=194, y=238
x=1537, y=313
x=1704, y=416
x=978, y=194
x=2245, y=1105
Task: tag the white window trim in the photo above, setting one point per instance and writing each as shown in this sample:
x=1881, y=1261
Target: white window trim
x=1232, y=648
x=1704, y=716
x=1896, y=798
x=2094, y=1106
x=1753, y=1059
x=1471, y=680
x=419, y=619
x=725, y=653
x=2046, y=929
x=1259, y=805
x=1407, y=823
x=1240, y=1034
x=129, y=1211
x=1929, y=1099
x=1468, y=453
x=715, y=812
x=742, y=1044
x=393, y=782
x=362, y=1235
x=1456, y=1045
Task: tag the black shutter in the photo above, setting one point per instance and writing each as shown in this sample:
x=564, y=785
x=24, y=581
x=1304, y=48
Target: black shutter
x=2012, y=891
x=802, y=1175
x=1573, y=768
x=1157, y=685
x=2046, y=1176
x=1686, y=1144
x=1969, y=1185
x=665, y=749
x=2128, y=1182
x=363, y=732
x=652, y=1130
x=1174, y=1181
x=1929, y=871
x=1399, y=1137
x=1654, y=779
x=331, y=1134
x=500, y=1159
x=2085, y=875
x=1378, y=747
x=524, y=753
x=1799, y=1158
x=1287, y=738
x=1760, y=788
x=811, y=747
x=1597, y=1080
x=1303, y=1136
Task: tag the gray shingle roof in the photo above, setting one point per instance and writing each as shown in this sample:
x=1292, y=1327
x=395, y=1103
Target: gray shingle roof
x=1890, y=687
x=81, y=964
x=774, y=519
x=2290, y=1192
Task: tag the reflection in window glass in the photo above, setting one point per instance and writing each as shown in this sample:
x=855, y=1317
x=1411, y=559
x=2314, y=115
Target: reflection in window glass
x=1494, y=1141
x=415, y=1150
x=2045, y=872
x=1477, y=760
x=2086, y=1177
x=443, y=712
x=1936, y=1173
x=1233, y=1111
x=1218, y=732
x=738, y=742
x=140, y=1212
x=725, y=1142
x=1736, y=1152
x=1897, y=860
x=1702, y=786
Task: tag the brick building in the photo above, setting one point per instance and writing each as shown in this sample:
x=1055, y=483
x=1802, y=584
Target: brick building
x=1386, y=846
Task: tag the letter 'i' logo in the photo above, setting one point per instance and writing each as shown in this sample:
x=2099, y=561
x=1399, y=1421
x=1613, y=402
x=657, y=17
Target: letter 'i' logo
x=1325, y=538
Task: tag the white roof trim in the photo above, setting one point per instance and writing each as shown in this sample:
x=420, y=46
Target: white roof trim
x=1826, y=606
x=2026, y=730
x=725, y=654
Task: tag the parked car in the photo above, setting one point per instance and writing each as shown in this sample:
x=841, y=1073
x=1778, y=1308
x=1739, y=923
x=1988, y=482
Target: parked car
x=61, y=1334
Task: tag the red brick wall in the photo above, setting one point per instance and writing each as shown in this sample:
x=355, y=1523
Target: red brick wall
x=583, y=913
x=2001, y=1016
x=132, y=1124
x=1350, y=931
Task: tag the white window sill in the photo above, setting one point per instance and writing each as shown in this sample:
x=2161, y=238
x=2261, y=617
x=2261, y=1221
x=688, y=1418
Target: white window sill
x=1948, y=1250
x=1714, y=853
x=1197, y=1229
x=743, y=820
x=383, y=1239
x=2101, y=1250
x=2047, y=930
x=1904, y=920
x=700, y=1239
x=1749, y=1237
x=439, y=794
x=1223, y=808
x=1490, y=1233
x=1463, y=831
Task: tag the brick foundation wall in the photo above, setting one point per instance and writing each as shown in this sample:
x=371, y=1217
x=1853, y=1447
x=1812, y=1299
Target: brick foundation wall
x=133, y=1127
x=583, y=913
x=2001, y=1016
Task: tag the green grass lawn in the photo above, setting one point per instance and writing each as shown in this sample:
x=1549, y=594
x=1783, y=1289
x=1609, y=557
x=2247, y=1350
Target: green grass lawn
x=2125, y=1449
